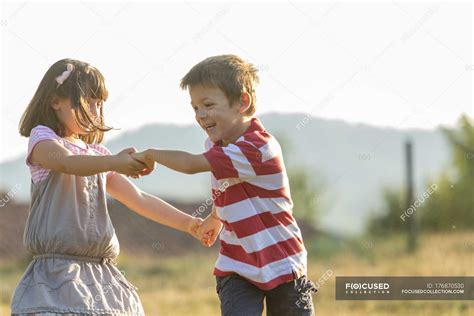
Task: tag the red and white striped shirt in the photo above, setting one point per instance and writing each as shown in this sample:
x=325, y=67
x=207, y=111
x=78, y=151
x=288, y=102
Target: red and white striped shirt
x=261, y=240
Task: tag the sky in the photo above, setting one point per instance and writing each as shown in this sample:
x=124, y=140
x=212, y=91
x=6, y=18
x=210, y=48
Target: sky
x=389, y=64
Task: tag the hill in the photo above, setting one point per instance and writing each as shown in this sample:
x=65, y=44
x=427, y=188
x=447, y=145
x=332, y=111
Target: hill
x=353, y=162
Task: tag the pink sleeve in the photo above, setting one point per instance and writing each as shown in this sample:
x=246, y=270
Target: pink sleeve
x=38, y=134
x=102, y=150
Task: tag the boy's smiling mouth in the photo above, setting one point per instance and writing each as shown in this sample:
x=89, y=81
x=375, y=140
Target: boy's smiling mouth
x=209, y=127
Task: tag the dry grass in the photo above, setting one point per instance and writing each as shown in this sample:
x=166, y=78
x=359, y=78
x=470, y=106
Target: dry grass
x=185, y=286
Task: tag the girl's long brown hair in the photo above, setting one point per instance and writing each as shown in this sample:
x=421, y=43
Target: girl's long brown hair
x=85, y=82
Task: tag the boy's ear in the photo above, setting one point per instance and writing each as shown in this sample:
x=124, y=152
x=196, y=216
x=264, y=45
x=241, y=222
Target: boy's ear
x=245, y=101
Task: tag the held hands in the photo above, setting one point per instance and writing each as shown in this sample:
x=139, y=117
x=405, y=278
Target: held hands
x=193, y=226
x=206, y=237
x=146, y=158
x=206, y=231
x=209, y=229
x=124, y=163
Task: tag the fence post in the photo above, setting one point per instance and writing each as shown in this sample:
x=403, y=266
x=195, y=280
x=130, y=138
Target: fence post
x=411, y=221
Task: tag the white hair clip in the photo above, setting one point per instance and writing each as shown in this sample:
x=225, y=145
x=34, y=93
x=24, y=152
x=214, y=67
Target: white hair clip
x=65, y=74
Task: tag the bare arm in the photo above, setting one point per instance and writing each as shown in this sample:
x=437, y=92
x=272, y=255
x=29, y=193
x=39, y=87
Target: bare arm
x=149, y=206
x=52, y=155
x=174, y=159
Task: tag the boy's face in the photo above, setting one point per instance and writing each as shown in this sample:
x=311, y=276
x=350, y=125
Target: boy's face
x=221, y=120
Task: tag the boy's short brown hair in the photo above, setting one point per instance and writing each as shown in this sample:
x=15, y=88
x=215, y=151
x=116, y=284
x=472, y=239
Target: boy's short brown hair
x=230, y=73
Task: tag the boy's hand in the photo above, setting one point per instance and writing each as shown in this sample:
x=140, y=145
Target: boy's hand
x=145, y=158
x=209, y=230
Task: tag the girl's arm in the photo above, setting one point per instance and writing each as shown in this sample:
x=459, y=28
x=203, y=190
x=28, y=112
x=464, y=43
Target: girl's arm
x=149, y=206
x=52, y=155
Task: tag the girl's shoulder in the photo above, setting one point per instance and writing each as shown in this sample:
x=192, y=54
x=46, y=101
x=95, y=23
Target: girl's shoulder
x=43, y=131
x=38, y=134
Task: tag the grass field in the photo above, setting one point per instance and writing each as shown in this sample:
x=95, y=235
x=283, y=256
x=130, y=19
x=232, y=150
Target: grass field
x=185, y=286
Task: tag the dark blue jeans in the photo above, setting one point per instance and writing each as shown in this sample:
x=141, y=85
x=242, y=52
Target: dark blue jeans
x=239, y=297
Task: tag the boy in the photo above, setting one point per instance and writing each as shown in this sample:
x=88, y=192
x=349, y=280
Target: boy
x=262, y=254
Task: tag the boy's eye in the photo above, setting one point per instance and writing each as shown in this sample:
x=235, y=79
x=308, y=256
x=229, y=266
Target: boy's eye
x=208, y=105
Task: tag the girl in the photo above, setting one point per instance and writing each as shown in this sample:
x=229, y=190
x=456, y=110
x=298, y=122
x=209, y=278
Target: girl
x=68, y=230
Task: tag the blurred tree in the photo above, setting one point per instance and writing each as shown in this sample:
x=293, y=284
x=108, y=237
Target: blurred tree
x=304, y=194
x=451, y=204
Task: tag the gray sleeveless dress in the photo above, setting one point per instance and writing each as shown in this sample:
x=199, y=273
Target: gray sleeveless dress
x=73, y=242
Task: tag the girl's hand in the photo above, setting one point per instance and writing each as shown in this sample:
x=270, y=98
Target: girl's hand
x=193, y=227
x=125, y=164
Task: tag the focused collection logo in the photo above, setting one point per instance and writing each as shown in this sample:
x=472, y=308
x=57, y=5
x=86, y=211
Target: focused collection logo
x=405, y=288
x=367, y=288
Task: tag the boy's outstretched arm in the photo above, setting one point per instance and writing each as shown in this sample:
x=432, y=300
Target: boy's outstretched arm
x=149, y=206
x=174, y=159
